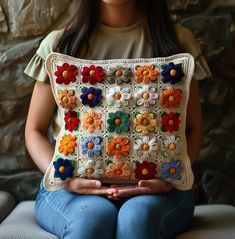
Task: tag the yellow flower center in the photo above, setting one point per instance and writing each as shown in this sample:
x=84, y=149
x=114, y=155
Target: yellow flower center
x=146, y=95
x=145, y=122
x=171, y=122
x=90, y=96
x=118, y=73
x=118, y=171
x=118, y=146
x=172, y=171
x=173, y=72
x=62, y=169
x=90, y=120
x=145, y=147
x=172, y=146
x=65, y=99
x=90, y=170
x=145, y=171
x=90, y=145
x=92, y=73
x=69, y=120
x=118, y=121
x=145, y=73
x=171, y=98
x=117, y=96
x=65, y=74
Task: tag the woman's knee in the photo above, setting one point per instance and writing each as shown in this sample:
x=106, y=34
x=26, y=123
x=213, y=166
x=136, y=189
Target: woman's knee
x=89, y=221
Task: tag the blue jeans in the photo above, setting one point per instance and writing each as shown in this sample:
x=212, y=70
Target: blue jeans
x=73, y=216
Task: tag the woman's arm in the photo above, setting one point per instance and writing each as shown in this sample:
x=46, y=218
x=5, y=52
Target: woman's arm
x=41, y=110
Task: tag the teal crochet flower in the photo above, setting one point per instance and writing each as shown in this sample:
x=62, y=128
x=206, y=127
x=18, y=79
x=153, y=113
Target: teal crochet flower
x=118, y=122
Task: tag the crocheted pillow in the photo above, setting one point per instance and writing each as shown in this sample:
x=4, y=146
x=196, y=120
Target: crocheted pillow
x=123, y=119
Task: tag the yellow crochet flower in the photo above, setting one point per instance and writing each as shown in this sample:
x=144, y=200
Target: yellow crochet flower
x=67, y=144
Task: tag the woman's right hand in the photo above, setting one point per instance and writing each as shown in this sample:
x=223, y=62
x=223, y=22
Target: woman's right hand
x=88, y=186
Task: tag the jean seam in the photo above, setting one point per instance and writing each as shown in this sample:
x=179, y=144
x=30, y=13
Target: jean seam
x=172, y=210
x=53, y=206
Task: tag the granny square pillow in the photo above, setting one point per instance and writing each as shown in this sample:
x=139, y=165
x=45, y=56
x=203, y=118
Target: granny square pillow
x=124, y=120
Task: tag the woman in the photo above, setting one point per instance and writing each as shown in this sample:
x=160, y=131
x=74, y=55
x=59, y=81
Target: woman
x=105, y=29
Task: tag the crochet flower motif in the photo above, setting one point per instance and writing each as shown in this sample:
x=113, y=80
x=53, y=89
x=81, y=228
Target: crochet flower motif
x=171, y=146
x=67, y=99
x=145, y=96
x=63, y=168
x=92, y=74
x=91, y=121
x=146, y=146
x=118, y=170
x=146, y=74
x=118, y=122
x=170, y=122
x=171, y=98
x=119, y=75
x=71, y=120
x=145, y=170
x=67, y=144
x=172, y=73
x=91, y=146
x=91, y=96
x=145, y=122
x=66, y=74
x=171, y=170
x=118, y=97
x=118, y=147
x=91, y=169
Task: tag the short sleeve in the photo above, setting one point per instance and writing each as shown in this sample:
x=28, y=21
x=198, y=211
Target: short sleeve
x=36, y=66
x=191, y=46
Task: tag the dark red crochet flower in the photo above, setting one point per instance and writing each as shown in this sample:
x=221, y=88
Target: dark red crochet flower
x=71, y=120
x=92, y=74
x=170, y=122
x=66, y=74
x=146, y=170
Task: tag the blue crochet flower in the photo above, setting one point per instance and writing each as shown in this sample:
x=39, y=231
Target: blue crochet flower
x=63, y=168
x=91, y=146
x=91, y=96
x=171, y=170
x=172, y=73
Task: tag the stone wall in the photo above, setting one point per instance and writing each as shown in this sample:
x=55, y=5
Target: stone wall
x=24, y=23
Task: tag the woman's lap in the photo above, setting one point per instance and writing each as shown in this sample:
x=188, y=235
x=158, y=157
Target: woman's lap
x=71, y=216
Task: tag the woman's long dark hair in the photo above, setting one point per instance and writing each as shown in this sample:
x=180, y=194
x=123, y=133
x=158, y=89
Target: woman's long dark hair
x=158, y=27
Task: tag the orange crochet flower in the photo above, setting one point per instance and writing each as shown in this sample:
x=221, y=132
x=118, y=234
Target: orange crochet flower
x=67, y=144
x=146, y=74
x=118, y=170
x=118, y=147
x=92, y=121
x=67, y=99
x=171, y=98
x=145, y=122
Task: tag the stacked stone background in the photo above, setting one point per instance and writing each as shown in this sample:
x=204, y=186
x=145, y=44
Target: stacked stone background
x=24, y=23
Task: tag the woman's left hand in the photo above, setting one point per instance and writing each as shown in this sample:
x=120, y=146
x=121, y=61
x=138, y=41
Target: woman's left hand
x=152, y=186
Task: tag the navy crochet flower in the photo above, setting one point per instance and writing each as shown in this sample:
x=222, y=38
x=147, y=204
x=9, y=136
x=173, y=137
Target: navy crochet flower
x=91, y=96
x=171, y=170
x=172, y=73
x=63, y=168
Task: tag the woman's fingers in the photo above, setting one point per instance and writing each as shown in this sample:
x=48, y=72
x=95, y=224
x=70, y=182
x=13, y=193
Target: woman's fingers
x=156, y=185
x=132, y=191
x=97, y=191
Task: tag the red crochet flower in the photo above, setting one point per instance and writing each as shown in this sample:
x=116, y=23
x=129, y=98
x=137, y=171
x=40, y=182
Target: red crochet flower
x=92, y=74
x=66, y=74
x=170, y=122
x=71, y=120
x=146, y=170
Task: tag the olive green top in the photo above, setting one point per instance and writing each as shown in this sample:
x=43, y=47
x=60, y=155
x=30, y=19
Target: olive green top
x=114, y=43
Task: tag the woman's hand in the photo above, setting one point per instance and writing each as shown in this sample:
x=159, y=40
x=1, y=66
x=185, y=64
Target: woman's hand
x=88, y=186
x=152, y=186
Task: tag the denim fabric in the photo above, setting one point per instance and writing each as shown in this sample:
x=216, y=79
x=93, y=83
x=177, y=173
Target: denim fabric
x=73, y=216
